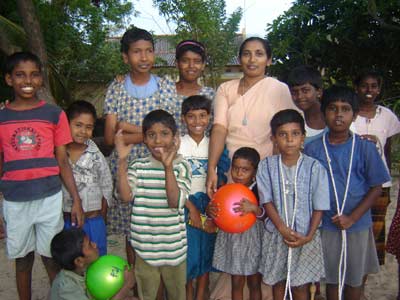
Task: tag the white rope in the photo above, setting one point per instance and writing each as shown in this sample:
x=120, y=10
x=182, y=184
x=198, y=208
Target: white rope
x=343, y=252
x=291, y=225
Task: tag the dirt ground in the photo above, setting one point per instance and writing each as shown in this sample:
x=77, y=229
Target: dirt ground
x=381, y=286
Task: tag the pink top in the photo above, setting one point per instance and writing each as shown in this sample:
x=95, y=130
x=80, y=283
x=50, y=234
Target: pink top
x=384, y=125
x=247, y=117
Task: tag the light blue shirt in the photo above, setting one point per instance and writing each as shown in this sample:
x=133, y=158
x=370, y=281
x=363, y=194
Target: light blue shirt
x=312, y=190
x=141, y=91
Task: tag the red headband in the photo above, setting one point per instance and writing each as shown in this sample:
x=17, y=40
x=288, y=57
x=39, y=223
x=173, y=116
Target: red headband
x=190, y=43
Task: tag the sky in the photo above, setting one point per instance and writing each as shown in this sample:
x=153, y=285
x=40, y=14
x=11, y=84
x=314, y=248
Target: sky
x=256, y=15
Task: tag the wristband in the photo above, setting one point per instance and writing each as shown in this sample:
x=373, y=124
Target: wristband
x=262, y=213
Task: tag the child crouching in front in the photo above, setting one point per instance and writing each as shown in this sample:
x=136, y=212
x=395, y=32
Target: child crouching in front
x=356, y=173
x=158, y=185
x=74, y=252
x=293, y=190
x=238, y=254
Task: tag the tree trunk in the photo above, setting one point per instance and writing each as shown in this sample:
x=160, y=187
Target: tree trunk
x=36, y=43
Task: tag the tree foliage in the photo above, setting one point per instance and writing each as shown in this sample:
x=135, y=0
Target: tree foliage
x=340, y=38
x=207, y=22
x=75, y=34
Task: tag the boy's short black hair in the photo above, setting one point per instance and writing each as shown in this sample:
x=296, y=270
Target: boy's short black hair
x=14, y=59
x=305, y=74
x=284, y=117
x=190, y=45
x=368, y=73
x=249, y=154
x=159, y=116
x=133, y=35
x=80, y=107
x=339, y=93
x=196, y=102
x=66, y=246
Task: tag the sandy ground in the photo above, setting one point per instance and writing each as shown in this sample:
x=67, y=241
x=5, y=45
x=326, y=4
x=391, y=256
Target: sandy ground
x=382, y=286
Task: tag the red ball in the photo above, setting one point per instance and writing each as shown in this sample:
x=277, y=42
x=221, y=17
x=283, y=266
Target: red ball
x=228, y=220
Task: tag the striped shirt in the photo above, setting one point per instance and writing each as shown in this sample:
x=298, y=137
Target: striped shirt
x=158, y=232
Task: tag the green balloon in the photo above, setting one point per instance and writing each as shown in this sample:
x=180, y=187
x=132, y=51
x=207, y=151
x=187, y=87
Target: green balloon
x=105, y=276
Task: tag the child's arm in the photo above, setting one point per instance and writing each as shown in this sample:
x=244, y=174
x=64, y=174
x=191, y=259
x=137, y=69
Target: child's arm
x=272, y=213
x=132, y=134
x=104, y=208
x=387, y=151
x=77, y=215
x=346, y=221
x=194, y=214
x=110, y=129
x=212, y=210
x=129, y=128
x=123, y=150
x=245, y=207
x=2, y=231
x=129, y=282
x=217, y=144
x=300, y=239
x=171, y=185
x=1, y=164
x=105, y=184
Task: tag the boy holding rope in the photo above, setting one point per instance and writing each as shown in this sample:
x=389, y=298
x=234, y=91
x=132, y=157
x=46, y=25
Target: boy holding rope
x=356, y=173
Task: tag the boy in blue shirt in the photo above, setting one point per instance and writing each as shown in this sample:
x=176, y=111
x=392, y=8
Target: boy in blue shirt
x=356, y=173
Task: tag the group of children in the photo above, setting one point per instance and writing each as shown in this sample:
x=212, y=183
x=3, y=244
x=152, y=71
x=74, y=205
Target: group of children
x=324, y=173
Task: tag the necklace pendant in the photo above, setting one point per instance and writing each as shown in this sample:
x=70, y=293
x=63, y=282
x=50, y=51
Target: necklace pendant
x=244, y=121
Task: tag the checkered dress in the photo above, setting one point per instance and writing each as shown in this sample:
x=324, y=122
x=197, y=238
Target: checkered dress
x=133, y=110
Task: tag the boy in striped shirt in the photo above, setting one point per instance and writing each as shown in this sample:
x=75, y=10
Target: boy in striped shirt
x=159, y=184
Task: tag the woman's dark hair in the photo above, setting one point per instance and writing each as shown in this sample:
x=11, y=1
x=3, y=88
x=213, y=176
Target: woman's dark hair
x=264, y=42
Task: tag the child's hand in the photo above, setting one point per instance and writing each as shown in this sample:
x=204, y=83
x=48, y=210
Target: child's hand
x=129, y=282
x=211, y=184
x=299, y=240
x=123, y=150
x=212, y=210
x=120, y=78
x=287, y=234
x=2, y=229
x=194, y=217
x=209, y=226
x=4, y=104
x=167, y=157
x=343, y=221
x=121, y=125
x=77, y=214
x=245, y=207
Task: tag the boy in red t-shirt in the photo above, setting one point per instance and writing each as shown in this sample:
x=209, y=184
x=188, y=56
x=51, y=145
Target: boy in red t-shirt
x=33, y=138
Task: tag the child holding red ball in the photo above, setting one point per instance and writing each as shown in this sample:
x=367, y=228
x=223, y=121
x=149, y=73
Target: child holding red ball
x=238, y=254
